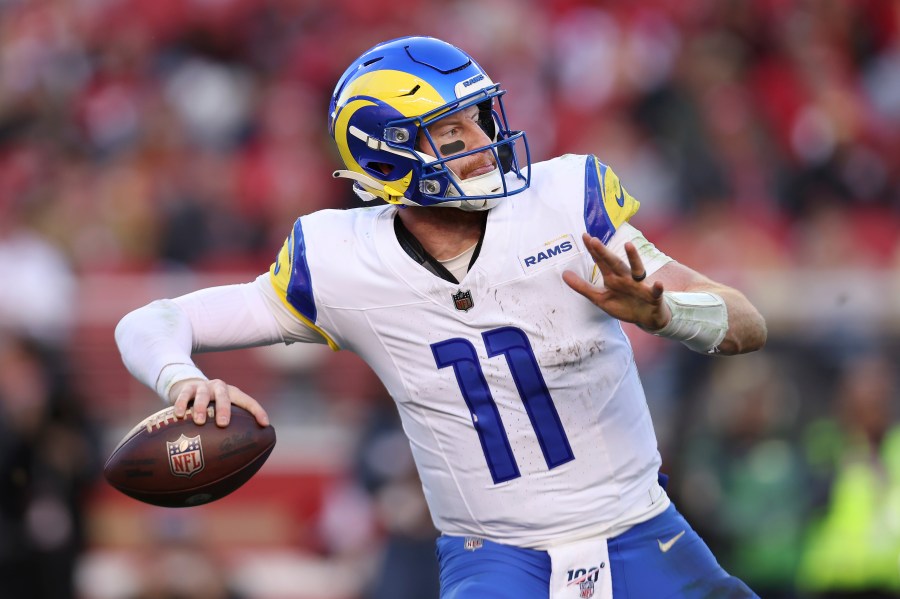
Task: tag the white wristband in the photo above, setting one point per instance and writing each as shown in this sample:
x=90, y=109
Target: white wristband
x=699, y=320
x=173, y=373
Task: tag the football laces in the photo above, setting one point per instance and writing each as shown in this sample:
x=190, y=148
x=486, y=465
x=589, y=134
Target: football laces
x=163, y=418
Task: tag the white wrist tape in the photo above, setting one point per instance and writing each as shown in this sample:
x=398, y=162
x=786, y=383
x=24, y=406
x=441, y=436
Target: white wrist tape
x=699, y=320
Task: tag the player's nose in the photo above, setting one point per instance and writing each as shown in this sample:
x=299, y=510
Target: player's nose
x=477, y=138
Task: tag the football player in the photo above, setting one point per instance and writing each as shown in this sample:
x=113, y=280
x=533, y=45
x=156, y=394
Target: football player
x=487, y=293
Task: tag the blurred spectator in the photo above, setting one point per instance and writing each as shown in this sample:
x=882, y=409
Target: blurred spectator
x=853, y=546
x=177, y=570
x=408, y=566
x=48, y=458
x=742, y=476
x=37, y=297
x=382, y=499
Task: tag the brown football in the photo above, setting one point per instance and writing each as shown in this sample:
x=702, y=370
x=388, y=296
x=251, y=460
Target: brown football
x=174, y=462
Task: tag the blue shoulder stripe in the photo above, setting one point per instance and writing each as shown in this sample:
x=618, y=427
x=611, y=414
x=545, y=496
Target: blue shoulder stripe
x=299, y=291
x=596, y=220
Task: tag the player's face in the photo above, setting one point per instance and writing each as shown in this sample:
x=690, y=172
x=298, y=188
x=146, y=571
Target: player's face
x=458, y=133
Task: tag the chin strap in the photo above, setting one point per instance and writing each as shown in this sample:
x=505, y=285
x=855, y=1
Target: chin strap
x=363, y=180
x=488, y=183
x=391, y=195
x=483, y=185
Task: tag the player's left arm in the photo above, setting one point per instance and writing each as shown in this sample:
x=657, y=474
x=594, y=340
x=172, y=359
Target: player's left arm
x=674, y=301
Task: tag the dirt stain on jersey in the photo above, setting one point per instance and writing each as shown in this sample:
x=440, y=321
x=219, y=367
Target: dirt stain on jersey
x=563, y=356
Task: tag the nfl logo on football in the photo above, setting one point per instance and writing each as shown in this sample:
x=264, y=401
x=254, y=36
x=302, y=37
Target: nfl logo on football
x=185, y=456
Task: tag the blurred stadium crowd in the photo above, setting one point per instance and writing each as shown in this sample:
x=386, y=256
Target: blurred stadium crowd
x=148, y=148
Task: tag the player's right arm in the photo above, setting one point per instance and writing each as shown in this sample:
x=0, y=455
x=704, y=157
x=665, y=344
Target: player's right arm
x=157, y=340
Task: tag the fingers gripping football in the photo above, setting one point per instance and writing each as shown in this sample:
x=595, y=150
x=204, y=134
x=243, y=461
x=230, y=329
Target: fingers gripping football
x=622, y=294
x=199, y=394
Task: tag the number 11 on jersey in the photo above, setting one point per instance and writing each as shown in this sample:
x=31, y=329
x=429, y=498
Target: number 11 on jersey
x=513, y=344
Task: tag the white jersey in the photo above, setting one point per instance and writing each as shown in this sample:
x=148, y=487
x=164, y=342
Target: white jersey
x=520, y=398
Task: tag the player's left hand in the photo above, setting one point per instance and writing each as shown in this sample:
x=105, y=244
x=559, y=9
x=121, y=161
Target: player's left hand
x=623, y=293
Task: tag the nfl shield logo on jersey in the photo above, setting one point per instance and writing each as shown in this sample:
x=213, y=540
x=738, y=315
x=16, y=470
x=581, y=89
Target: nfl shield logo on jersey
x=587, y=589
x=463, y=300
x=473, y=543
x=185, y=456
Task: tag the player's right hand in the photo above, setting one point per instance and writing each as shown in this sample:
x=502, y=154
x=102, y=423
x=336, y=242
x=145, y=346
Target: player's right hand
x=216, y=392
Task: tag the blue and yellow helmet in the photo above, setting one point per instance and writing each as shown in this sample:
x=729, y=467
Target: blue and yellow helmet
x=389, y=95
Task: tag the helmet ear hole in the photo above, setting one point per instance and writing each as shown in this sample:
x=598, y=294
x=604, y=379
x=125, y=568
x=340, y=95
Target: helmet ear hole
x=382, y=167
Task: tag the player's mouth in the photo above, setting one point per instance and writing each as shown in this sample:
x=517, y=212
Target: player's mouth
x=480, y=170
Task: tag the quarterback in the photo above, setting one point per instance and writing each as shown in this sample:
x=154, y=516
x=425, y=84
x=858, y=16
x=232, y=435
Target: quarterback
x=487, y=293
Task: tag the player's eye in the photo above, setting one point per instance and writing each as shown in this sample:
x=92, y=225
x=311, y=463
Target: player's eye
x=448, y=131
